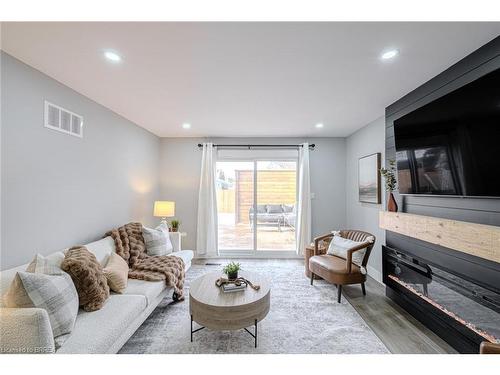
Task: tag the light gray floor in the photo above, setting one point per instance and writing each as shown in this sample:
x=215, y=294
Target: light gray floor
x=302, y=319
x=398, y=330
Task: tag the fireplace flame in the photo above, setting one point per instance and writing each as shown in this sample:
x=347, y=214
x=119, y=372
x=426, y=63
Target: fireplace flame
x=469, y=325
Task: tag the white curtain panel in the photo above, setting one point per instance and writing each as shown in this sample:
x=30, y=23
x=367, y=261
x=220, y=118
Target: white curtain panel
x=304, y=203
x=206, y=236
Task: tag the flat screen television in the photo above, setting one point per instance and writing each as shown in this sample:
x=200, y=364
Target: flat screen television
x=451, y=146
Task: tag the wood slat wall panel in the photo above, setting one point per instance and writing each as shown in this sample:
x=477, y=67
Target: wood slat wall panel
x=473, y=216
x=475, y=239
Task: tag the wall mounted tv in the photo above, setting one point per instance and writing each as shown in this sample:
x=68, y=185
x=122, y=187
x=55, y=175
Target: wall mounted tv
x=451, y=146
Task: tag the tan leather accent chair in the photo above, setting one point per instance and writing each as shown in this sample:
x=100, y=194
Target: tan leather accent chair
x=340, y=271
x=489, y=348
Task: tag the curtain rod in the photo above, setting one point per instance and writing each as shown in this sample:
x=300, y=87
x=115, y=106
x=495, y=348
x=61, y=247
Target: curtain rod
x=311, y=146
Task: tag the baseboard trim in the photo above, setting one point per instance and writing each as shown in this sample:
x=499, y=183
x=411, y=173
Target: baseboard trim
x=375, y=274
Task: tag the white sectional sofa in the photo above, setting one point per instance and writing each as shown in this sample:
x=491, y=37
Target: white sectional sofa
x=104, y=331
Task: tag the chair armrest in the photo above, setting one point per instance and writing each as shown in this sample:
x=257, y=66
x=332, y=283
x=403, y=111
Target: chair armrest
x=364, y=245
x=25, y=330
x=320, y=238
x=489, y=348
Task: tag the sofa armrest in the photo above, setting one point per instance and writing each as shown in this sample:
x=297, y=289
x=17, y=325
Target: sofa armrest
x=25, y=330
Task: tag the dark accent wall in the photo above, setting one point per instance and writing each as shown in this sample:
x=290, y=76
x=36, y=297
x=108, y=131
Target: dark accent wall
x=475, y=210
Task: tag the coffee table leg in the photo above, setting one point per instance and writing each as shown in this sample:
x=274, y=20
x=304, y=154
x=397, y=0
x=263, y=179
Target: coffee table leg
x=195, y=330
x=254, y=335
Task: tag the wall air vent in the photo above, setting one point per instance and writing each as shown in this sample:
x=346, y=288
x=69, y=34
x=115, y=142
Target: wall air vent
x=60, y=119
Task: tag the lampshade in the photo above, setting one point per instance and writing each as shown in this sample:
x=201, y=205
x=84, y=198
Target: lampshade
x=164, y=209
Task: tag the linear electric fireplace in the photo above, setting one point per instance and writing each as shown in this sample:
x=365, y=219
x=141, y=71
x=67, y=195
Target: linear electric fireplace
x=463, y=310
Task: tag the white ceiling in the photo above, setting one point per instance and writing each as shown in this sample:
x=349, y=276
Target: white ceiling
x=245, y=79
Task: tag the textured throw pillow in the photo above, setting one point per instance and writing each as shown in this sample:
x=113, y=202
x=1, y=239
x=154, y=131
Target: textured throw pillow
x=88, y=277
x=339, y=246
x=16, y=295
x=116, y=272
x=157, y=240
x=56, y=294
x=50, y=265
x=46, y=286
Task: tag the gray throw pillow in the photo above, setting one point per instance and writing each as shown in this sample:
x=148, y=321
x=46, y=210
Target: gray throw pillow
x=54, y=293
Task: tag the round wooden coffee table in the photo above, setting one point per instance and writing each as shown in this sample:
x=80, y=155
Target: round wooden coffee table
x=210, y=307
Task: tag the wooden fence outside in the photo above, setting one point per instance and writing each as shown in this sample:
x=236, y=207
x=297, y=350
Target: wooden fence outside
x=274, y=187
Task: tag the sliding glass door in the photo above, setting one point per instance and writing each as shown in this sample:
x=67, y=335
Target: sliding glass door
x=235, y=194
x=276, y=187
x=256, y=206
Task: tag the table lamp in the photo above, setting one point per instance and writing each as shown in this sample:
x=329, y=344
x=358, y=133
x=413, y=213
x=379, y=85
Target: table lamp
x=164, y=209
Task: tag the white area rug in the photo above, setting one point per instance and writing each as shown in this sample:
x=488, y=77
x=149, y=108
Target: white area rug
x=302, y=319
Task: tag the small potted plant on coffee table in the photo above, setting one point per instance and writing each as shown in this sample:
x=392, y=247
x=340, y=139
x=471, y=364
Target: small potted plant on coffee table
x=231, y=270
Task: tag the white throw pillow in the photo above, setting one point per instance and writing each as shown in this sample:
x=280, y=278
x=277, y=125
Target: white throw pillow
x=339, y=247
x=157, y=240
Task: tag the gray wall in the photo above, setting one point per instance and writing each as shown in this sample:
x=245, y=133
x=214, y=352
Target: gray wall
x=180, y=170
x=364, y=216
x=59, y=190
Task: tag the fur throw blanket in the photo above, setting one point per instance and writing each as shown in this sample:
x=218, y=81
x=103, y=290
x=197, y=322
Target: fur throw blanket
x=130, y=246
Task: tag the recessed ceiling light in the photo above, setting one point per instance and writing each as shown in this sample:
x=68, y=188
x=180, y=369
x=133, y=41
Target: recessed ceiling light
x=112, y=56
x=319, y=126
x=186, y=126
x=389, y=54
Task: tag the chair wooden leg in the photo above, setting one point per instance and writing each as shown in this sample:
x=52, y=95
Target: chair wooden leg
x=312, y=278
x=363, y=288
x=339, y=296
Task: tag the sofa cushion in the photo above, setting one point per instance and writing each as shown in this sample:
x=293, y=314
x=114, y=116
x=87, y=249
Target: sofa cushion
x=186, y=256
x=97, y=331
x=331, y=263
x=88, y=276
x=101, y=249
x=149, y=289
